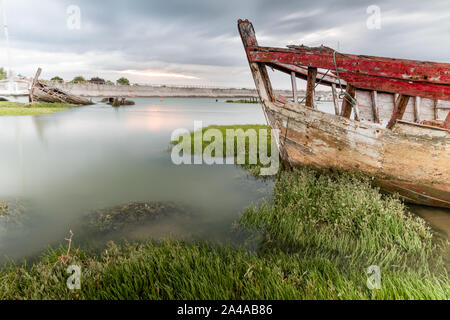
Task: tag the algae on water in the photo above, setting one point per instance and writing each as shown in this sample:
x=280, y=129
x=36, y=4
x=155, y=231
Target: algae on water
x=130, y=214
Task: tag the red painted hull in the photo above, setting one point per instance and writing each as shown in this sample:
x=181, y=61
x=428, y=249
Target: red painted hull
x=429, y=195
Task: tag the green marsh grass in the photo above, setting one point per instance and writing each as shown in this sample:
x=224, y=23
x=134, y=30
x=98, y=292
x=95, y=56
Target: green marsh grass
x=316, y=237
x=240, y=133
x=22, y=109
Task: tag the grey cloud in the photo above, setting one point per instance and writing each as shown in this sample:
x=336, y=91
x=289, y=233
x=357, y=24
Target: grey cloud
x=203, y=33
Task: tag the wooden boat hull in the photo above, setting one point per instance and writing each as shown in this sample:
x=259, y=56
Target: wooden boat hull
x=410, y=161
x=400, y=131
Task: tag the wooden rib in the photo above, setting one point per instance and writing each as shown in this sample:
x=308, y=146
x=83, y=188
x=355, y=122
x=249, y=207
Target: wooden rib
x=258, y=69
x=335, y=99
x=447, y=121
x=302, y=73
x=399, y=109
x=375, y=108
x=294, y=87
x=435, y=109
x=417, y=103
x=311, y=82
x=34, y=84
x=346, y=103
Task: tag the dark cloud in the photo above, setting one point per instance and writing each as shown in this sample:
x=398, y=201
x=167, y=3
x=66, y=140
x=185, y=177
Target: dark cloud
x=194, y=32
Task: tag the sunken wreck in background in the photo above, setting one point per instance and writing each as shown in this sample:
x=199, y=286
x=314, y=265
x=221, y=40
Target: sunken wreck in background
x=392, y=124
x=40, y=92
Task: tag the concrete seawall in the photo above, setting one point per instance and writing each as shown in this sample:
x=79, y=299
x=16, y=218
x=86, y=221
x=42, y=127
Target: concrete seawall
x=93, y=90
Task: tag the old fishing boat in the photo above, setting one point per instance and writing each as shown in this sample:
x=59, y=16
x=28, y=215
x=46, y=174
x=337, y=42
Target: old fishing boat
x=393, y=122
x=44, y=93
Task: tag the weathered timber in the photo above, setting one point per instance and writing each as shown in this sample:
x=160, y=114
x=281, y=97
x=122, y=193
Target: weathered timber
x=259, y=71
x=375, y=108
x=435, y=109
x=302, y=73
x=401, y=142
x=447, y=121
x=45, y=93
x=335, y=99
x=347, y=103
x=417, y=102
x=310, y=87
x=294, y=87
x=409, y=77
x=400, y=155
x=399, y=109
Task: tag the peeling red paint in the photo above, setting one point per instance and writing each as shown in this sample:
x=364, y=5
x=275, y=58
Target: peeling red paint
x=409, y=77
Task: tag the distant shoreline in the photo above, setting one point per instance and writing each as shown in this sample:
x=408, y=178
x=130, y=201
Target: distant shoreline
x=95, y=90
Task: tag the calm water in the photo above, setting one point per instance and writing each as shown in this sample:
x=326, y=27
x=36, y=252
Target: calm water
x=69, y=163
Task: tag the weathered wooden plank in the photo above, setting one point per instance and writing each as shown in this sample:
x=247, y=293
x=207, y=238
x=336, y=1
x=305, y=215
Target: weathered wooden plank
x=375, y=107
x=294, y=87
x=259, y=71
x=424, y=90
x=447, y=121
x=347, y=105
x=302, y=73
x=409, y=152
x=34, y=83
x=310, y=87
x=335, y=99
x=417, y=113
x=322, y=57
x=435, y=109
x=399, y=109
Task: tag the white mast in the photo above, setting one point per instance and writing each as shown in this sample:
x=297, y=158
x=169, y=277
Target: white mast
x=5, y=28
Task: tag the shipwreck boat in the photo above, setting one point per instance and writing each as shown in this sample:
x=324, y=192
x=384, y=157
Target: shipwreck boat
x=393, y=122
x=44, y=93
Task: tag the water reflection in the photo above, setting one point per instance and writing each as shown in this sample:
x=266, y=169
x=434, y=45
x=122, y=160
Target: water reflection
x=67, y=164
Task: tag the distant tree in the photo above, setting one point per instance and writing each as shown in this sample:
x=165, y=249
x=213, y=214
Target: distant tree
x=109, y=83
x=123, y=81
x=3, y=74
x=97, y=80
x=59, y=79
x=78, y=79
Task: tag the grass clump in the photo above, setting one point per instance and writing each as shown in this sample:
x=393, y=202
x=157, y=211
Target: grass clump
x=343, y=224
x=317, y=237
x=245, y=142
x=21, y=109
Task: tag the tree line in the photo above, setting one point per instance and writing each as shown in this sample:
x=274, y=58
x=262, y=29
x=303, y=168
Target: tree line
x=81, y=79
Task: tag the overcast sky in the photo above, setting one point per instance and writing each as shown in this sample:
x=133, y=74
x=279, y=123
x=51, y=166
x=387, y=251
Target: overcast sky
x=196, y=42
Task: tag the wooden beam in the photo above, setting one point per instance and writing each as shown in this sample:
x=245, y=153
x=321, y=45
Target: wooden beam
x=302, y=73
x=399, y=109
x=447, y=121
x=310, y=87
x=34, y=83
x=417, y=103
x=335, y=99
x=259, y=71
x=294, y=87
x=408, y=77
x=375, y=107
x=435, y=109
x=347, y=102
